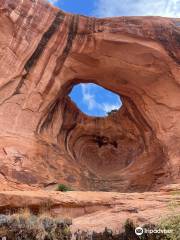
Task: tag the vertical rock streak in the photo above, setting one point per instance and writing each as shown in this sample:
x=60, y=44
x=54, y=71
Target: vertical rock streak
x=44, y=40
x=62, y=58
x=41, y=47
x=59, y=64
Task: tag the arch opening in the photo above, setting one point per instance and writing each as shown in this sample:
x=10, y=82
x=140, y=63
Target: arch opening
x=106, y=153
x=109, y=150
x=94, y=100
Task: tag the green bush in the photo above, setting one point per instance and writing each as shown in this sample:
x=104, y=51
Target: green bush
x=171, y=223
x=63, y=188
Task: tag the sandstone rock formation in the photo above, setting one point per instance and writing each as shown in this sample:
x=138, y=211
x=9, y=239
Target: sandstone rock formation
x=96, y=210
x=45, y=139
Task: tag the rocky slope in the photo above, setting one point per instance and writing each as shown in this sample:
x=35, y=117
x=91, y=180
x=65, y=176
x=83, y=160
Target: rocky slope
x=45, y=138
x=94, y=211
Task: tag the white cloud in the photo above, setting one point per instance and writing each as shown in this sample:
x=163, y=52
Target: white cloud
x=91, y=103
x=109, y=107
x=107, y=8
x=88, y=98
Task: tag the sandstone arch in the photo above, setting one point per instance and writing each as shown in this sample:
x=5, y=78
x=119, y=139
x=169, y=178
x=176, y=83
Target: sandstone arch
x=44, y=137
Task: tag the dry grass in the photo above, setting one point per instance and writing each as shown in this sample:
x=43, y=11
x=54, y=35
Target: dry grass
x=25, y=225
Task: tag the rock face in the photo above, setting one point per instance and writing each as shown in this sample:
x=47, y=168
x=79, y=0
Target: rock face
x=96, y=210
x=45, y=138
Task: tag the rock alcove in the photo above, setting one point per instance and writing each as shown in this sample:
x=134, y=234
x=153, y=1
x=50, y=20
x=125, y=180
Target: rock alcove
x=111, y=151
x=45, y=139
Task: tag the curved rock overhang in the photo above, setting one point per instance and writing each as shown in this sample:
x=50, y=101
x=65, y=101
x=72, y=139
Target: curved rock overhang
x=45, y=53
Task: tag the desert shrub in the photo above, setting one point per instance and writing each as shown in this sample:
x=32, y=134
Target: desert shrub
x=25, y=225
x=63, y=188
x=21, y=226
x=175, y=193
x=172, y=223
x=129, y=233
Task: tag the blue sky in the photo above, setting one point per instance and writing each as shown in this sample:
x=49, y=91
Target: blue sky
x=90, y=98
x=94, y=100
x=84, y=7
x=109, y=8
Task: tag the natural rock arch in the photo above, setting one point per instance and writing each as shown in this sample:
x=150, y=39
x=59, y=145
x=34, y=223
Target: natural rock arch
x=45, y=139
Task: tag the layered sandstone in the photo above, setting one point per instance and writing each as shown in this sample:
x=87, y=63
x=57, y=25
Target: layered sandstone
x=94, y=211
x=45, y=139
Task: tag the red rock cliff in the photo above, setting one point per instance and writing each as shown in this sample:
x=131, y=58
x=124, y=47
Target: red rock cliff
x=45, y=139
